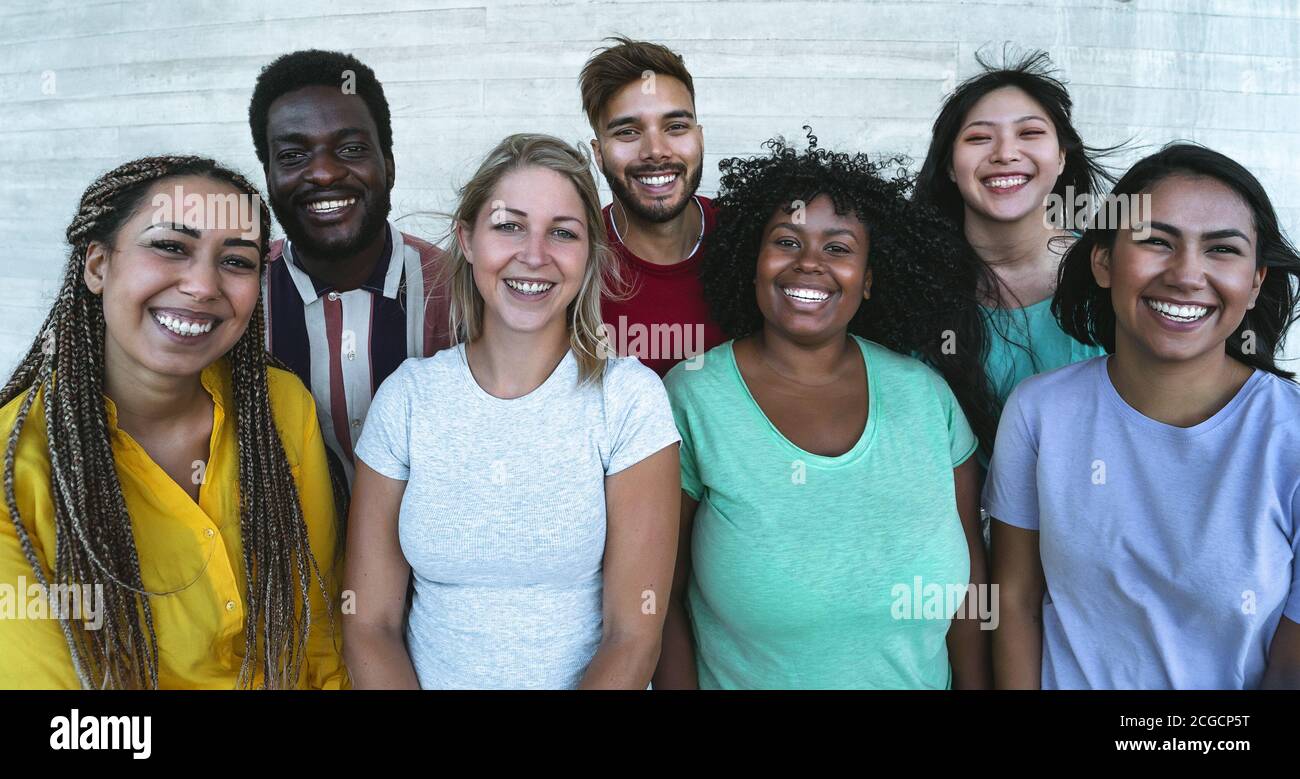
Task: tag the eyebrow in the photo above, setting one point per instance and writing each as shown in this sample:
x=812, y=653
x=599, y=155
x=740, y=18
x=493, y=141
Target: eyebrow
x=680, y=113
x=193, y=233
x=1213, y=235
x=991, y=123
x=560, y=218
x=825, y=233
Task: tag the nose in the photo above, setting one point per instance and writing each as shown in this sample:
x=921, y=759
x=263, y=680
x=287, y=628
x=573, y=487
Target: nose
x=533, y=254
x=200, y=279
x=324, y=170
x=1186, y=270
x=809, y=259
x=1006, y=148
x=654, y=146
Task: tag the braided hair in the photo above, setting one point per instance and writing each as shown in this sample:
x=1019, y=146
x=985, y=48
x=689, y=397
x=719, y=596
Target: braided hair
x=93, y=540
x=922, y=293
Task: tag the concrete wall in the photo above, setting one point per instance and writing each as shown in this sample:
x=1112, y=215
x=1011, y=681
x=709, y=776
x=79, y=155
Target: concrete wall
x=86, y=85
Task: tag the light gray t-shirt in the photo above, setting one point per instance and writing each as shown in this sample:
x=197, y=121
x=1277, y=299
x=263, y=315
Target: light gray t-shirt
x=503, y=518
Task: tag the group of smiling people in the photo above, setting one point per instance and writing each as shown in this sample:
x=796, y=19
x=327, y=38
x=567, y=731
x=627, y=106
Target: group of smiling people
x=927, y=437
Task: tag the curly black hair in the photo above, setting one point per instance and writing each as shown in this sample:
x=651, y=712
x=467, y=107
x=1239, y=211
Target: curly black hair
x=1084, y=308
x=310, y=68
x=922, y=294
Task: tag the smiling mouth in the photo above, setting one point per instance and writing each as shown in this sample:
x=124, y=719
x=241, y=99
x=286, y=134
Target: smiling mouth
x=530, y=288
x=1006, y=182
x=184, y=326
x=806, y=294
x=657, y=181
x=1178, y=313
x=330, y=206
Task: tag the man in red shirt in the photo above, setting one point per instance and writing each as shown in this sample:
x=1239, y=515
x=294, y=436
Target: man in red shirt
x=640, y=101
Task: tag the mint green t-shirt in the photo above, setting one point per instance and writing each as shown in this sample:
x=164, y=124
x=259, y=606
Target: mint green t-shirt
x=1037, y=344
x=818, y=572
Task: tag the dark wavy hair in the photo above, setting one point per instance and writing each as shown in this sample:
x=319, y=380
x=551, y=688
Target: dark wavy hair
x=310, y=68
x=914, y=302
x=1084, y=308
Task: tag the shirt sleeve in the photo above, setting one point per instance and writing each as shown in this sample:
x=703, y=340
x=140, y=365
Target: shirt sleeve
x=679, y=401
x=1292, y=609
x=638, y=417
x=324, y=667
x=33, y=651
x=962, y=442
x=385, y=443
x=1011, y=489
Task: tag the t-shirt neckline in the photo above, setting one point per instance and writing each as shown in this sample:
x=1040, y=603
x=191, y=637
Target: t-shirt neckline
x=825, y=461
x=541, y=392
x=1173, y=431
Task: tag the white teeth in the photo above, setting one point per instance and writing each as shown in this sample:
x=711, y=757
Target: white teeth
x=1006, y=182
x=330, y=205
x=657, y=181
x=529, y=287
x=1177, y=313
x=805, y=294
x=183, y=327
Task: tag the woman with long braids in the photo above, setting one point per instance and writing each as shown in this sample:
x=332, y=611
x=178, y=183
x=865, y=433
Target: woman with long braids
x=1003, y=143
x=1146, y=504
x=828, y=489
x=156, y=466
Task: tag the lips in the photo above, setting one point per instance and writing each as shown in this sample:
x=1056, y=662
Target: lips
x=328, y=206
x=1006, y=182
x=806, y=297
x=185, y=323
x=657, y=182
x=1179, y=312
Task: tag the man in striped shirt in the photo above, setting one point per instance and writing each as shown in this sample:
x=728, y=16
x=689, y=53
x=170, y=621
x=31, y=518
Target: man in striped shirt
x=347, y=295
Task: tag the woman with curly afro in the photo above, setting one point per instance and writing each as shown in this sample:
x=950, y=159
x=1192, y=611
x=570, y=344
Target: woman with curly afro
x=830, y=531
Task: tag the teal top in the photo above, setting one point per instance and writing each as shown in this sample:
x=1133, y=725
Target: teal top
x=819, y=572
x=1027, y=341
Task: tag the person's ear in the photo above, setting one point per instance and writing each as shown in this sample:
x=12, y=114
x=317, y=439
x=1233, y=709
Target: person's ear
x=1060, y=165
x=1254, y=289
x=96, y=265
x=463, y=235
x=866, y=284
x=952, y=175
x=392, y=171
x=1101, y=266
x=595, y=153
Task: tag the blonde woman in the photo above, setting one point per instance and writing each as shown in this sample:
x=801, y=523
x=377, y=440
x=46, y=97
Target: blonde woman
x=526, y=482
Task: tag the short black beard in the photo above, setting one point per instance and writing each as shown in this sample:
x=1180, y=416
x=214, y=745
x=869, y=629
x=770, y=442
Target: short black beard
x=657, y=215
x=373, y=220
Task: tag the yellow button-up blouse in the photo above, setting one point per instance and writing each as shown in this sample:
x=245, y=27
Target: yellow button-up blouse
x=200, y=629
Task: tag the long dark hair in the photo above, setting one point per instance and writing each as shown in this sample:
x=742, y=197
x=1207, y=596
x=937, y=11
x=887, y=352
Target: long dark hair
x=1084, y=308
x=93, y=539
x=914, y=308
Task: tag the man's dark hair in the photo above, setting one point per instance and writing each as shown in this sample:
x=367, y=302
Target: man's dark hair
x=309, y=68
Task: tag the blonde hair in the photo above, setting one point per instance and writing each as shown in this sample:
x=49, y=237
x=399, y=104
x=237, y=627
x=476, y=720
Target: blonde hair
x=586, y=337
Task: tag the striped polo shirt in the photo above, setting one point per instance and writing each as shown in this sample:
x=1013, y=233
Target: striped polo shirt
x=344, y=344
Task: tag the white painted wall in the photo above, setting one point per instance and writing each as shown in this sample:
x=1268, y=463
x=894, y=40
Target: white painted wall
x=137, y=78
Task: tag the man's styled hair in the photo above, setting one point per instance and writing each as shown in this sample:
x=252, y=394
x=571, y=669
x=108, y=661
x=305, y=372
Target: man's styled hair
x=310, y=68
x=614, y=67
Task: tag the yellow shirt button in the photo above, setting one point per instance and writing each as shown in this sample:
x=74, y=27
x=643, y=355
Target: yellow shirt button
x=209, y=533
x=230, y=605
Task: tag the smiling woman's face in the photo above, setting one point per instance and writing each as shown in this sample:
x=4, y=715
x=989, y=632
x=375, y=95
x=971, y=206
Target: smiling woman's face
x=529, y=246
x=1180, y=293
x=176, y=297
x=812, y=273
x=1007, y=156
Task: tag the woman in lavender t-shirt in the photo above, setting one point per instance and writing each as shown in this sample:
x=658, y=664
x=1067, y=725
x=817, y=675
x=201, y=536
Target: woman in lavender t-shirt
x=1147, y=503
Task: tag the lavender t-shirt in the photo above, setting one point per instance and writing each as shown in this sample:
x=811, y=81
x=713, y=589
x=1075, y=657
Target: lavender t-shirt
x=1169, y=553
